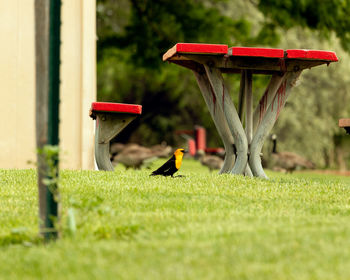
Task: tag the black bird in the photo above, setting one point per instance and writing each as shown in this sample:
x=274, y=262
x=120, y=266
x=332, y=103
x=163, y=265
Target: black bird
x=172, y=165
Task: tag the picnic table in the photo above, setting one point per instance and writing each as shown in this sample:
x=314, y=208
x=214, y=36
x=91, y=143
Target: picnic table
x=208, y=62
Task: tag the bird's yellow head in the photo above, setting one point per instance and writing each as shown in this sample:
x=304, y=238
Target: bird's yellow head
x=179, y=153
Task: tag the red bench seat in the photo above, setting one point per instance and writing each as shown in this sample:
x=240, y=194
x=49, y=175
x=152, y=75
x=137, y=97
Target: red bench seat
x=108, y=107
x=111, y=119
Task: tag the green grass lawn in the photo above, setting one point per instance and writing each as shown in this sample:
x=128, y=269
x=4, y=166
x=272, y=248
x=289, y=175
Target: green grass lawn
x=202, y=226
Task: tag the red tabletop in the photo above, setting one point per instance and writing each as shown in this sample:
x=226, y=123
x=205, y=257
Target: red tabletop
x=188, y=48
x=256, y=52
x=312, y=55
x=265, y=60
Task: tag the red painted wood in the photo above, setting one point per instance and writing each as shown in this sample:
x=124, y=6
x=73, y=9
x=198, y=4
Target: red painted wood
x=312, y=54
x=194, y=48
x=344, y=123
x=256, y=52
x=201, y=48
x=201, y=141
x=116, y=107
x=191, y=147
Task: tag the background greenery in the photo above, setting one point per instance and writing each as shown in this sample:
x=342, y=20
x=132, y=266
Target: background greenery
x=133, y=35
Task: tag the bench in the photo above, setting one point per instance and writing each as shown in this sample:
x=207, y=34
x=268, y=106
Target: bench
x=111, y=119
x=345, y=123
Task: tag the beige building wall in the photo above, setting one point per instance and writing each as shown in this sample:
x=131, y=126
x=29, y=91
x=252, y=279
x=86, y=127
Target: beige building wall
x=17, y=84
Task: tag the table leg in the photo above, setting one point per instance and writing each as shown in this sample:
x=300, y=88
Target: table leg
x=226, y=104
x=241, y=94
x=268, y=121
x=219, y=120
x=267, y=98
x=248, y=106
x=241, y=102
x=248, y=113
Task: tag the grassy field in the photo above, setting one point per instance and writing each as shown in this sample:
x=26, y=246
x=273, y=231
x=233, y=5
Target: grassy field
x=202, y=226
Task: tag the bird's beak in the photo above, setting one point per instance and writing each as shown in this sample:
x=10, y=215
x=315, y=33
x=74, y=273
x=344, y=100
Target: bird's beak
x=185, y=151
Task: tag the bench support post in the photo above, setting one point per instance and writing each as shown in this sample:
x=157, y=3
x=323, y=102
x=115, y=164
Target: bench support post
x=107, y=127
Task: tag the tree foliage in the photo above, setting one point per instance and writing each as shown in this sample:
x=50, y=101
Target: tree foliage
x=153, y=26
x=320, y=15
x=321, y=99
x=309, y=121
x=134, y=34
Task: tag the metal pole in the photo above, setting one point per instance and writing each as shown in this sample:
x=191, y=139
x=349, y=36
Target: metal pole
x=47, y=50
x=54, y=71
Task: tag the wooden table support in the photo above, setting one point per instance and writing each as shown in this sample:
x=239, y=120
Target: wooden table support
x=269, y=118
x=219, y=120
x=267, y=97
x=225, y=103
x=248, y=114
x=241, y=94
